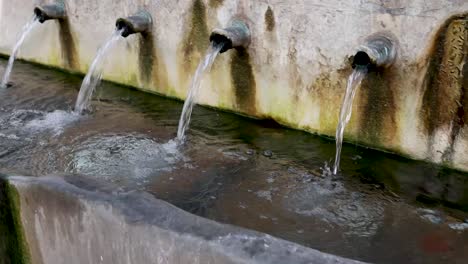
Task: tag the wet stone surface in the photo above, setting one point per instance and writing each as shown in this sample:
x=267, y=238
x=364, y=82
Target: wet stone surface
x=381, y=208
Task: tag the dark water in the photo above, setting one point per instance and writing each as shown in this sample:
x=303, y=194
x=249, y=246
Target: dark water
x=255, y=174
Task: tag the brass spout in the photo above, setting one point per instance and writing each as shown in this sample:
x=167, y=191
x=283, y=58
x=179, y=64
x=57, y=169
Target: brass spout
x=138, y=23
x=236, y=35
x=378, y=51
x=52, y=11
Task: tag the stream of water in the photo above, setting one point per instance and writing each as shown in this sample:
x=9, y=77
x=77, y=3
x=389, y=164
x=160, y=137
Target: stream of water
x=354, y=82
x=28, y=28
x=204, y=66
x=94, y=75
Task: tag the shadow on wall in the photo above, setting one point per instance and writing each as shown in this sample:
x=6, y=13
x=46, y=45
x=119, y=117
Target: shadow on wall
x=445, y=97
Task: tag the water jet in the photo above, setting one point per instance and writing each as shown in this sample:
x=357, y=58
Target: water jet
x=50, y=12
x=236, y=35
x=138, y=23
x=41, y=14
x=378, y=52
x=94, y=75
x=28, y=28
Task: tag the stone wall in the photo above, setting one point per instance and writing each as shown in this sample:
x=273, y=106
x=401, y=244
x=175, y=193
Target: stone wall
x=295, y=70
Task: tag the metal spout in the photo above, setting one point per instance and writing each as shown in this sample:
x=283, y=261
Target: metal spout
x=139, y=23
x=378, y=51
x=236, y=35
x=52, y=11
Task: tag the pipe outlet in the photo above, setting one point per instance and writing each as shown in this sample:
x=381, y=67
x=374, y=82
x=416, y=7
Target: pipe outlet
x=52, y=11
x=139, y=23
x=236, y=35
x=378, y=51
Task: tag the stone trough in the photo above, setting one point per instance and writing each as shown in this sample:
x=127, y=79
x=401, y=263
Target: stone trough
x=57, y=220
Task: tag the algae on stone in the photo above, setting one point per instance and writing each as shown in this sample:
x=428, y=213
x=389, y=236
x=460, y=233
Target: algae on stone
x=13, y=245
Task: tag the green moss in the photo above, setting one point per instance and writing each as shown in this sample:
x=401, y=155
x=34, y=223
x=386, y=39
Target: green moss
x=47, y=66
x=13, y=245
x=54, y=59
x=132, y=79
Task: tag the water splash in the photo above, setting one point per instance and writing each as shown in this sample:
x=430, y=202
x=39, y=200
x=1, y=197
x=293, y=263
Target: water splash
x=130, y=158
x=204, y=66
x=28, y=28
x=94, y=75
x=346, y=110
x=55, y=121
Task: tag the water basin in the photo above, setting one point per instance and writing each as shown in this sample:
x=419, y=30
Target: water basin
x=255, y=174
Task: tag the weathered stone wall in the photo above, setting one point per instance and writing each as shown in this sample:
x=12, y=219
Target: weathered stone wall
x=295, y=70
x=66, y=224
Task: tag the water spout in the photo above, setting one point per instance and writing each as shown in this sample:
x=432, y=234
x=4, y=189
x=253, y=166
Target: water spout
x=139, y=23
x=49, y=12
x=378, y=51
x=236, y=35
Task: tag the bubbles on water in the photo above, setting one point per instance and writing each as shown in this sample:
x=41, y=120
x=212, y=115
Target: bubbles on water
x=234, y=155
x=33, y=120
x=327, y=171
x=330, y=202
x=18, y=118
x=432, y=216
x=439, y=218
x=9, y=136
x=129, y=159
x=265, y=195
x=54, y=121
x=459, y=226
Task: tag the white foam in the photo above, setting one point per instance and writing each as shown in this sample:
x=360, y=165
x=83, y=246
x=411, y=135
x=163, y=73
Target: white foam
x=55, y=121
x=129, y=159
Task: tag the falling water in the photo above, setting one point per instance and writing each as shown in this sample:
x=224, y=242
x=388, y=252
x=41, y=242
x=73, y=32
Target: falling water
x=204, y=66
x=94, y=75
x=346, y=109
x=26, y=30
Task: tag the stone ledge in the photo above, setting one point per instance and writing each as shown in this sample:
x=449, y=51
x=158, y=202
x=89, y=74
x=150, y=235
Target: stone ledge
x=68, y=222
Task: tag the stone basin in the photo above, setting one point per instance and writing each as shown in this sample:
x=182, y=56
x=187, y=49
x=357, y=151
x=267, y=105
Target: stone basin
x=113, y=186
